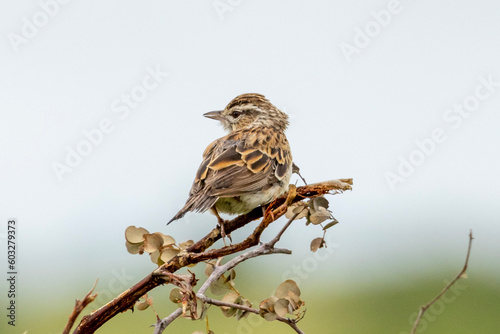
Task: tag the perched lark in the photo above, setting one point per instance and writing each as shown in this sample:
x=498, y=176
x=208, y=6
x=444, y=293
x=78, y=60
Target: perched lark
x=249, y=167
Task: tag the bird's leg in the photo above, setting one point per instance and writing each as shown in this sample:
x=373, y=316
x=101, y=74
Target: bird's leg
x=267, y=210
x=221, y=223
x=292, y=193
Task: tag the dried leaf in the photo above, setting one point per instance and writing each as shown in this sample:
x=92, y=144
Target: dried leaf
x=175, y=295
x=155, y=257
x=231, y=297
x=241, y=313
x=285, y=287
x=220, y=287
x=281, y=307
x=135, y=235
x=320, y=215
x=167, y=239
x=141, y=306
x=269, y=316
x=168, y=254
x=266, y=308
x=186, y=244
x=231, y=276
x=134, y=248
x=289, y=212
x=201, y=310
x=294, y=300
x=268, y=304
x=330, y=224
x=316, y=244
x=209, y=269
x=152, y=242
x=296, y=208
x=319, y=202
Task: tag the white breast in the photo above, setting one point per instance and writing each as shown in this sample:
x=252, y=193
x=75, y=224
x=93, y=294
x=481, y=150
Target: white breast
x=246, y=203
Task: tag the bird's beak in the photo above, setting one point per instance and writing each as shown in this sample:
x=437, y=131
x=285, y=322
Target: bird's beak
x=217, y=115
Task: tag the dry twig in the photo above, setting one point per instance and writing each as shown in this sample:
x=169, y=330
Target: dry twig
x=79, y=306
x=461, y=274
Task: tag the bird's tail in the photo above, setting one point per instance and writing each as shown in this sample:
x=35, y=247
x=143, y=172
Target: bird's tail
x=196, y=204
x=179, y=215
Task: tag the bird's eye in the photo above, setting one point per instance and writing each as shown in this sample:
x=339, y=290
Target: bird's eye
x=236, y=113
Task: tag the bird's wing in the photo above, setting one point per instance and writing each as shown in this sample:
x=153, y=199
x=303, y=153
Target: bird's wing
x=240, y=163
x=243, y=162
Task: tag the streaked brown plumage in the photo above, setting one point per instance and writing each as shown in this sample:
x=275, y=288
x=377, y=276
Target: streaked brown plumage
x=248, y=167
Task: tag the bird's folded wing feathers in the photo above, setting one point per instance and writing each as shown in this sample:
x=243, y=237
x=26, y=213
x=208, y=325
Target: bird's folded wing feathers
x=229, y=168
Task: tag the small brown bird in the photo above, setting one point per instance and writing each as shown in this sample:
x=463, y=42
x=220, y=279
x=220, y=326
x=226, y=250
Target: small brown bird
x=249, y=167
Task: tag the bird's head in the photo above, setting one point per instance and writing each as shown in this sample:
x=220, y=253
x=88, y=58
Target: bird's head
x=250, y=110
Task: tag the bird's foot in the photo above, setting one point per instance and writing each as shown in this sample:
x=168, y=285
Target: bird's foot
x=268, y=211
x=223, y=234
x=222, y=222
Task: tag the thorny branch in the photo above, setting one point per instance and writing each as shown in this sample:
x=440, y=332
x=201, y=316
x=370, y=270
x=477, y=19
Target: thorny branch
x=79, y=306
x=461, y=274
x=198, y=251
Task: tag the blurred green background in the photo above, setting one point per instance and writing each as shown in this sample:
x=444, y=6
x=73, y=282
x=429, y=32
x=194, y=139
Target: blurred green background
x=388, y=306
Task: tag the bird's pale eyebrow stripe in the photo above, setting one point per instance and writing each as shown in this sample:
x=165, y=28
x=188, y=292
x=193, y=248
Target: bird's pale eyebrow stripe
x=249, y=107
